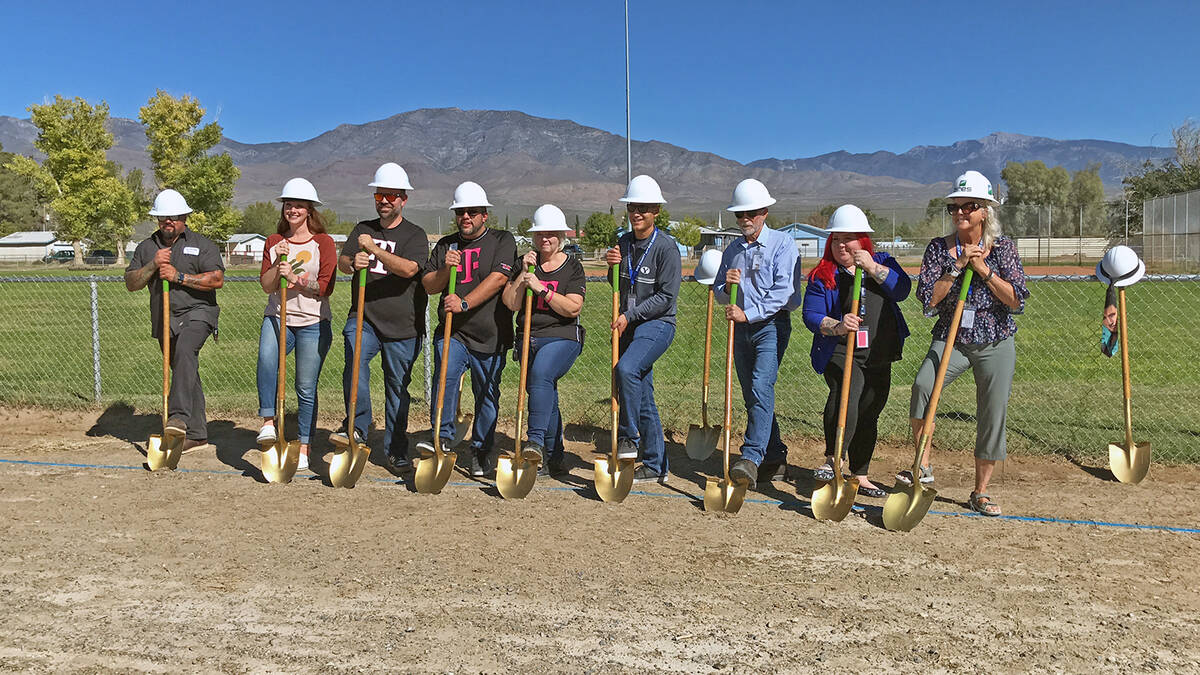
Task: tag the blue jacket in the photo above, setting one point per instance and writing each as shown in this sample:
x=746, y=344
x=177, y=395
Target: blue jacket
x=820, y=302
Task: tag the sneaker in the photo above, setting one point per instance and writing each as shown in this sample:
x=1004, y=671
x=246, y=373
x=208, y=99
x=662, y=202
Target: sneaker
x=744, y=472
x=266, y=434
x=399, y=463
x=905, y=477
x=195, y=445
x=340, y=438
x=176, y=426
x=626, y=449
x=533, y=451
x=772, y=471
x=302, y=465
x=644, y=474
x=482, y=464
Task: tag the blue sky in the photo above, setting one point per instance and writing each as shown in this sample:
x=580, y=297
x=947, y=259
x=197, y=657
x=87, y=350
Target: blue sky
x=744, y=80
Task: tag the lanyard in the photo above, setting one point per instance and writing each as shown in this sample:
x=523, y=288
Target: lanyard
x=633, y=274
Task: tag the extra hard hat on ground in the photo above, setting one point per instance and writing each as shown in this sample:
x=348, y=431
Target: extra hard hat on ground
x=299, y=188
x=469, y=194
x=973, y=185
x=170, y=203
x=549, y=218
x=643, y=190
x=391, y=175
x=1120, y=266
x=706, y=271
x=750, y=195
x=848, y=218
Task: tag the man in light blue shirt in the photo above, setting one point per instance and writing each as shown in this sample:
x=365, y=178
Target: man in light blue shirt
x=763, y=265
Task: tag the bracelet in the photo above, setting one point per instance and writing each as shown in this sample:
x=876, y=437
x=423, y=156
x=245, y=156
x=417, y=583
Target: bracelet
x=991, y=273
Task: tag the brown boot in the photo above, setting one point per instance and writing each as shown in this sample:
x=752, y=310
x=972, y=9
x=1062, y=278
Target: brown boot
x=195, y=445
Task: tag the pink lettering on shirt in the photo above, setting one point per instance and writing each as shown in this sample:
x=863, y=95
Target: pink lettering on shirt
x=470, y=264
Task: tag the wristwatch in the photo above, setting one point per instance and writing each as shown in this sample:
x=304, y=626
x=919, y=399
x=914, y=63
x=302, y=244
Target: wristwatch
x=179, y=278
x=954, y=271
x=464, y=306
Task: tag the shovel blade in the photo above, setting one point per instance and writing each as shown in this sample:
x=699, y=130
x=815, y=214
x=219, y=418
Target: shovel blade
x=701, y=441
x=279, y=460
x=830, y=503
x=515, y=479
x=347, y=465
x=907, y=506
x=723, y=495
x=462, y=428
x=1129, y=465
x=613, y=482
x=432, y=472
x=163, y=451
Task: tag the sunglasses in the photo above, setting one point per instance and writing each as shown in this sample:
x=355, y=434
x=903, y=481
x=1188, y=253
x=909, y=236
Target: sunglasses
x=641, y=208
x=967, y=209
x=746, y=214
x=171, y=219
x=393, y=197
x=472, y=212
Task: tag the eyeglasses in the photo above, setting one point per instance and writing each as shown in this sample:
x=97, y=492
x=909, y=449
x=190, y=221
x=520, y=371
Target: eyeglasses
x=641, y=208
x=967, y=209
x=393, y=197
x=472, y=212
x=171, y=219
x=746, y=214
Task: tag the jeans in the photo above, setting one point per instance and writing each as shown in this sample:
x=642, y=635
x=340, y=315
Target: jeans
x=641, y=345
x=397, y=361
x=311, y=344
x=758, y=350
x=486, y=370
x=549, y=360
x=186, y=398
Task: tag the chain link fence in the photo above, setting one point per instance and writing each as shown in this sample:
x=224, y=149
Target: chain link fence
x=85, y=341
x=1171, y=231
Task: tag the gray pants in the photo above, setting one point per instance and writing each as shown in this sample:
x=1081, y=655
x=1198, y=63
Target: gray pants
x=994, y=364
x=186, y=398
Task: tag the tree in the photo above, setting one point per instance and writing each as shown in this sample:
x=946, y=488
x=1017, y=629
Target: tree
x=1181, y=174
x=118, y=228
x=179, y=154
x=19, y=207
x=599, y=232
x=663, y=220
x=260, y=218
x=1034, y=183
x=524, y=225
x=687, y=232
x=334, y=223
x=76, y=179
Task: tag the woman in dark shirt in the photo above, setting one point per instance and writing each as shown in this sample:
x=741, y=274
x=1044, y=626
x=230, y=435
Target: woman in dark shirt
x=985, y=336
x=556, y=336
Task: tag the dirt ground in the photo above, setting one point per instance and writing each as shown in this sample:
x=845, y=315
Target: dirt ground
x=108, y=567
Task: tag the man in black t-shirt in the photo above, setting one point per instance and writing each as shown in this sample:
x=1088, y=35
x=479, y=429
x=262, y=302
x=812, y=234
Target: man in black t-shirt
x=392, y=250
x=482, y=326
x=192, y=264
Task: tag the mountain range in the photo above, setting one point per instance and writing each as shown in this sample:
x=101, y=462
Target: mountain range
x=524, y=161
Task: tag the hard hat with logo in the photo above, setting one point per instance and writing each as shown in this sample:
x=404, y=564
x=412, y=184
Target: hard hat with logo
x=706, y=270
x=549, y=218
x=170, y=203
x=848, y=218
x=973, y=185
x=750, y=195
x=299, y=188
x=1120, y=267
x=391, y=175
x=643, y=190
x=469, y=194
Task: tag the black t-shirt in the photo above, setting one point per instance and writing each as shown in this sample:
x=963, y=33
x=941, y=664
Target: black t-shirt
x=545, y=322
x=883, y=343
x=192, y=253
x=395, y=306
x=488, y=327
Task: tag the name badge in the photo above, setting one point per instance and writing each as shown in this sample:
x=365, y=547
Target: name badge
x=191, y=250
x=861, y=339
x=968, y=318
x=756, y=259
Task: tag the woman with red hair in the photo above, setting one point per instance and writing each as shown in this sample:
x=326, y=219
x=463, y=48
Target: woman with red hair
x=878, y=341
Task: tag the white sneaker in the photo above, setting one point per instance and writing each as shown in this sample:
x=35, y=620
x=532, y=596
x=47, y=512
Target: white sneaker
x=303, y=464
x=266, y=434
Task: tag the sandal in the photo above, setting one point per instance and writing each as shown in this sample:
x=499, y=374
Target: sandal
x=823, y=473
x=873, y=491
x=983, y=504
x=906, y=478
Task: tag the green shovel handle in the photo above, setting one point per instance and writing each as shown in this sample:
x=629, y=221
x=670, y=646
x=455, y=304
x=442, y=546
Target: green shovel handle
x=282, y=279
x=453, y=280
x=857, y=282
x=529, y=291
x=966, y=284
x=616, y=279
x=733, y=294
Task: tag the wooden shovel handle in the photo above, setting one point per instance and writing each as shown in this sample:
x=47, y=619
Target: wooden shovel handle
x=358, y=333
x=939, y=380
x=525, y=337
x=707, y=356
x=846, y=379
x=166, y=349
x=733, y=289
x=616, y=337
x=280, y=383
x=1127, y=386
x=441, y=397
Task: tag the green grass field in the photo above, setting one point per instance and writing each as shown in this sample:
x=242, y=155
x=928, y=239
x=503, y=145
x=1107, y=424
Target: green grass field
x=1066, y=396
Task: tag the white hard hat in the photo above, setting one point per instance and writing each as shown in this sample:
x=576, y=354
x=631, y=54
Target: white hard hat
x=750, y=195
x=469, y=194
x=974, y=185
x=549, y=218
x=170, y=203
x=848, y=218
x=299, y=188
x=1120, y=266
x=391, y=175
x=706, y=271
x=643, y=190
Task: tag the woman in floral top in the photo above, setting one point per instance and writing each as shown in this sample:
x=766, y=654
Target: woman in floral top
x=985, y=336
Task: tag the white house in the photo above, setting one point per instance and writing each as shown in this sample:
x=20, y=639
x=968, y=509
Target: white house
x=26, y=246
x=245, y=247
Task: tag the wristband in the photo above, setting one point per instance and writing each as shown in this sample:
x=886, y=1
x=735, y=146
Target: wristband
x=549, y=293
x=991, y=273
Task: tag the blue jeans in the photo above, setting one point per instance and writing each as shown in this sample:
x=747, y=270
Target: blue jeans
x=486, y=370
x=549, y=360
x=757, y=352
x=641, y=345
x=397, y=360
x=311, y=344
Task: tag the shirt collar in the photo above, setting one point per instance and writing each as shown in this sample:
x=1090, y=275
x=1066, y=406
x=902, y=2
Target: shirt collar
x=764, y=238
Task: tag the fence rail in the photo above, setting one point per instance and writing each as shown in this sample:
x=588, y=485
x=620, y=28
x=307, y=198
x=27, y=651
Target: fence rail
x=80, y=341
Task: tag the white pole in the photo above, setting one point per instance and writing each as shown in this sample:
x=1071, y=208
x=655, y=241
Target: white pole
x=628, y=137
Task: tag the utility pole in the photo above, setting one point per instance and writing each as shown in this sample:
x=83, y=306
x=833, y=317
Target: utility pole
x=628, y=138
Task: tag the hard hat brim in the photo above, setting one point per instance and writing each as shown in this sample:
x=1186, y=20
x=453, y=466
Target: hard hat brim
x=457, y=205
x=389, y=186
x=157, y=214
x=971, y=195
x=865, y=229
x=627, y=200
x=285, y=198
x=549, y=228
x=1129, y=281
x=752, y=206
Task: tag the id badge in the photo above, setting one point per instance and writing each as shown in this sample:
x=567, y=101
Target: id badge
x=968, y=318
x=861, y=339
x=756, y=259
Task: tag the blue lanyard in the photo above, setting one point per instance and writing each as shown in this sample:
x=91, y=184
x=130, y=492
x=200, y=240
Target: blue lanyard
x=633, y=274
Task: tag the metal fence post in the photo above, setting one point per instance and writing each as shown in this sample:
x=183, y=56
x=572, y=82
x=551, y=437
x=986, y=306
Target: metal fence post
x=428, y=356
x=95, y=339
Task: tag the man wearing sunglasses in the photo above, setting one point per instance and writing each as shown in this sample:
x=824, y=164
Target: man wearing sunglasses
x=192, y=264
x=391, y=249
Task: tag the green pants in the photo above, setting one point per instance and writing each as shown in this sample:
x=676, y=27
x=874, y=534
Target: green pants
x=994, y=364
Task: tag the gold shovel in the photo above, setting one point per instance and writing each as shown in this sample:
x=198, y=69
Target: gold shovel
x=702, y=440
x=462, y=420
x=163, y=451
x=516, y=473
x=724, y=494
x=348, y=462
x=1131, y=462
x=280, y=457
x=833, y=500
x=434, y=465
x=613, y=477
x=907, y=505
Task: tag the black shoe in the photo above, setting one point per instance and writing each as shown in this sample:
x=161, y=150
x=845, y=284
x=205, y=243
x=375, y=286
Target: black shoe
x=399, y=463
x=483, y=464
x=557, y=467
x=744, y=473
x=644, y=474
x=626, y=448
x=772, y=471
